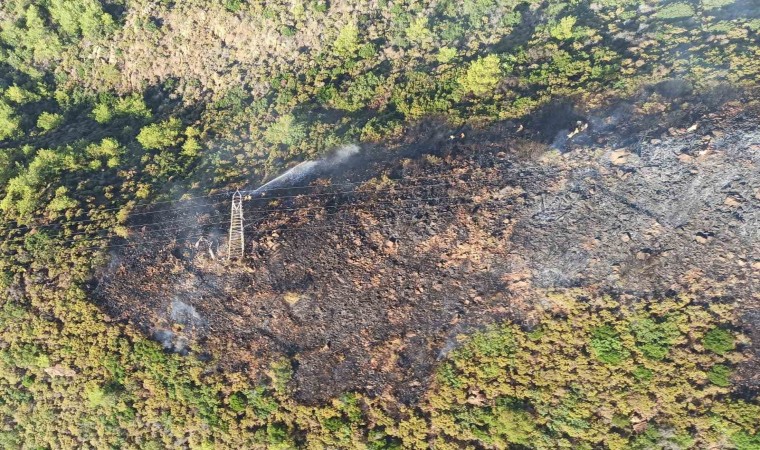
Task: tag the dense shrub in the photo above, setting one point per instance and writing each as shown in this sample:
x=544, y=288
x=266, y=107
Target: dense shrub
x=718, y=340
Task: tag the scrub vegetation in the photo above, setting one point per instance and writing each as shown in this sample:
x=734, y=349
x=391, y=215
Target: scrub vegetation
x=106, y=106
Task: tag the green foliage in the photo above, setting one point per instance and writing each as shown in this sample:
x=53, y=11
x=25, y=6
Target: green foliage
x=24, y=190
x=10, y=123
x=160, y=135
x=587, y=379
x=49, y=121
x=715, y=4
x=446, y=54
x=719, y=341
x=719, y=375
x=238, y=402
x=653, y=338
x=347, y=43
x=191, y=148
x=367, y=51
x=102, y=113
x=108, y=151
x=360, y=91
x=607, y=346
x=563, y=30
x=80, y=17
x=132, y=106
x=743, y=440
x=677, y=10
x=233, y=5
x=61, y=201
x=286, y=130
x=20, y=96
x=418, y=31
x=482, y=76
x=280, y=374
x=504, y=388
x=642, y=374
x=41, y=247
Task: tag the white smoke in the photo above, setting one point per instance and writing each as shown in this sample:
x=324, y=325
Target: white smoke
x=300, y=171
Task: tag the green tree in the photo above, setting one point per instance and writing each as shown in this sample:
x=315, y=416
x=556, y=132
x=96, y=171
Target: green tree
x=347, y=42
x=564, y=29
x=482, y=76
x=20, y=96
x=678, y=10
x=102, y=113
x=286, y=130
x=653, y=338
x=160, y=135
x=10, y=123
x=446, y=54
x=80, y=17
x=49, y=121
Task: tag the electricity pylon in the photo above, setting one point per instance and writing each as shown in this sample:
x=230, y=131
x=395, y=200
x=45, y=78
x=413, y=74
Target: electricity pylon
x=237, y=242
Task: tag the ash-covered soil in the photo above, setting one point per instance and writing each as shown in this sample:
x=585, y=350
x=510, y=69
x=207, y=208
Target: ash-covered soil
x=366, y=278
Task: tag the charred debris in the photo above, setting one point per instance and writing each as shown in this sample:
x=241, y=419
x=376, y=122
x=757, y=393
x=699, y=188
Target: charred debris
x=364, y=273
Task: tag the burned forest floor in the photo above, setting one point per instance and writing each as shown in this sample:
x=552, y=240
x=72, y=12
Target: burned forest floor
x=365, y=274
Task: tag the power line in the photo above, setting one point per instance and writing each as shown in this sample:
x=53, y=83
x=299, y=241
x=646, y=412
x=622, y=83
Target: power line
x=347, y=207
x=337, y=209
x=207, y=205
x=180, y=208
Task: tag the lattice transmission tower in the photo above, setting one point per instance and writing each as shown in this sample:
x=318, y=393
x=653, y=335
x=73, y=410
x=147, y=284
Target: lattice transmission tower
x=237, y=240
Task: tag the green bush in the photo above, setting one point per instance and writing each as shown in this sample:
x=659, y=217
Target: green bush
x=715, y=4
x=675, y=11
x=446, y=54
x=132, y=106
x=719, y=341
x=233, y=5
x=607, y=346
x=238, y=402
x=642, y=374
x=719, y=375
x=654, y=339
x=742, y=440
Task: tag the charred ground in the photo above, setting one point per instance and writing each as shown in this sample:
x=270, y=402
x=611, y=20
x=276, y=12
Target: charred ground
x=365, y=278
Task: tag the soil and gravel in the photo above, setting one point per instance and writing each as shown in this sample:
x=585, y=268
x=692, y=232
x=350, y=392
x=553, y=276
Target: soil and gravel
x=366, y=278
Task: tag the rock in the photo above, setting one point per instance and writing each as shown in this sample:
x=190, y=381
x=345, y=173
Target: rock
x=732, y=201
x=619, y=157
x=625, y=237
x=684, y=158
x=291, y=298
x=60, y=371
